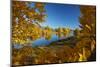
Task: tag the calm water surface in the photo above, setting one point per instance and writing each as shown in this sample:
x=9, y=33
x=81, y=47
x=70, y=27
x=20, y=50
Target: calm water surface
x=42, y=41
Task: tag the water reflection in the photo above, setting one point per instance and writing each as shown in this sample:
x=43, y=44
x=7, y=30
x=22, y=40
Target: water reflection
x=42, y=41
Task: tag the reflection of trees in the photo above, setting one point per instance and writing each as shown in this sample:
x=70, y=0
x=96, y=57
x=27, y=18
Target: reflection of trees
x=60, y=32
x=47, y=32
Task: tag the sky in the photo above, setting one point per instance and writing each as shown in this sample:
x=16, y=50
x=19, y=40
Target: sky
x=61, y=15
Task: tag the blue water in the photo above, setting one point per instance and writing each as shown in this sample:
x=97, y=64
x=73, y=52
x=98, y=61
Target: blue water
x=18, y=46
x=42, y=41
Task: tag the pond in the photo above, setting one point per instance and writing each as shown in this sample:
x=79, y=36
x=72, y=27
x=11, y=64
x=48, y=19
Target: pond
x=42, y=41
